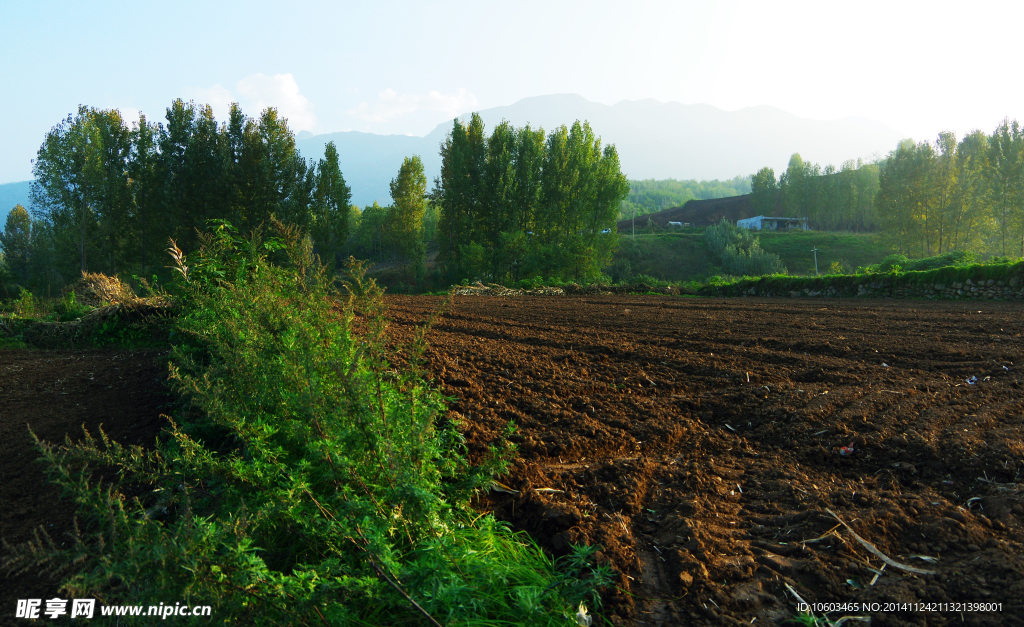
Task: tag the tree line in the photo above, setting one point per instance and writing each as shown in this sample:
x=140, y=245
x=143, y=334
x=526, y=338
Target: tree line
x=947, y=195
x=834, y=200
x=651, y=196
x=926, y=198
x=108, y=197
x=521, y=204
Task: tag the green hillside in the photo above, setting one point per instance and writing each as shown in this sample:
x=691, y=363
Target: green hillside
x=684, y=256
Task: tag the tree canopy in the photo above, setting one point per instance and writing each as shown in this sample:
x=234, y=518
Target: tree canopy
x=519, y=204
x=107, y=197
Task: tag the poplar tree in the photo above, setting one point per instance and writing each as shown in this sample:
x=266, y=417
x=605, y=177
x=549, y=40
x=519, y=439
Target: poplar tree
x=970, y=206
x=329, y=211
x=16, y=242
x=792, y=187
x=520, y=204
x=81, y=186
x=764, y=192
x=1006, y=174
x=408, y=191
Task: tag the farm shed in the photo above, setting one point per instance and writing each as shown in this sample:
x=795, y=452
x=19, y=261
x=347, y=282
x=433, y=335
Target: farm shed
x=773, y=224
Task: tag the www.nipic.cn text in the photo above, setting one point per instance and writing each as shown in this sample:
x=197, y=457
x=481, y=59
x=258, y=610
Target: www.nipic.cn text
x=86, y=608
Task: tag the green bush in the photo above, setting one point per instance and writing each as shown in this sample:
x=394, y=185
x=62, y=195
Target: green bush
x=740, y=251
x=69, y=308
x=956, y=258
x=310, y=480
x=27, y=305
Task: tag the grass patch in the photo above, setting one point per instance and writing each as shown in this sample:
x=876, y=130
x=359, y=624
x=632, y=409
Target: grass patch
x=1001, y=274
x=850, y=249
x=684, y=256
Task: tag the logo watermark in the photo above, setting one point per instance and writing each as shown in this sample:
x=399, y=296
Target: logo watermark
x=86, y=608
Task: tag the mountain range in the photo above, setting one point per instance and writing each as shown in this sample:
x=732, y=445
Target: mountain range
x=655, y=140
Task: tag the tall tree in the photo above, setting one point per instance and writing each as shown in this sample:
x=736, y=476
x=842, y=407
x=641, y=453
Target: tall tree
x=329, y=219
x=458, y=192
x=764, y=191
x=16, y=242
x=192, y=173
x=498, y=209
x=81, y=184
x=943, y=184
x=271, y=174
x=970, y=205
x=1006, y=173
x=145, y=188
x=903, y=192
x=792, y=187
x=408, y=190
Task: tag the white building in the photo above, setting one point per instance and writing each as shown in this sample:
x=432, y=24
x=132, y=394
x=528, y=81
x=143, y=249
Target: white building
x=773, y=224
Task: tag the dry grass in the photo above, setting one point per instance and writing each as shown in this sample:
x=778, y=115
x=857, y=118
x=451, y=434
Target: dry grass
x=97, y=289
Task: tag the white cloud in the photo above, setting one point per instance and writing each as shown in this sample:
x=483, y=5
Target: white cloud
x=391, y=105
x=257, y=92
x=280, y=91
x=218, y=97
x=129, y=115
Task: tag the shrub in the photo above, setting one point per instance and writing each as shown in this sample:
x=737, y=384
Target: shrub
x=69, y=308
x=27, y=305
x=840, y=266
x=740, y=251
x=310, y=480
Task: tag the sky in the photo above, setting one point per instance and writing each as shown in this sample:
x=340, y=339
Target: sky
x=395, y=67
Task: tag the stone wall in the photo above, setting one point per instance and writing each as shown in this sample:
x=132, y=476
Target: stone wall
x=966, y=290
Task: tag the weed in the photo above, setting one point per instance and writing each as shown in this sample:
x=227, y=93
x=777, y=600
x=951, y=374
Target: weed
x=69, y=308
x=312, y=481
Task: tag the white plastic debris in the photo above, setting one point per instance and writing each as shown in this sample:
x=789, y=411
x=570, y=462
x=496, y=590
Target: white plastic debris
x=971, y=380
x=582, y=618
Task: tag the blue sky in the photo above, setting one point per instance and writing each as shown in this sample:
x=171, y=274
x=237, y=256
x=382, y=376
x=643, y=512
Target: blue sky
x=404, y=67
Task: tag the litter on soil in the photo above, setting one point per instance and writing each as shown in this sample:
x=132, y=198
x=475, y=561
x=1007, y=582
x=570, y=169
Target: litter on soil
x=698, y=441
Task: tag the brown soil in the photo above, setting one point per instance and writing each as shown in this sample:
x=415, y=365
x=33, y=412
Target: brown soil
x=55, y=393
x=697, y=213
x=696, y=440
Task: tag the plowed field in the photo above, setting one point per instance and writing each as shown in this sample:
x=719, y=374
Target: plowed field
x=56, y=393
x=698, y=441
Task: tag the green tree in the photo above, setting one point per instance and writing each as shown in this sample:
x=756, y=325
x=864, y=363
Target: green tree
x=1006, y=175
x=944, y=186
x=329, y=220
x=740, y=251
x=792, y=187
x=81, y=187
x=271, y=175
x=16, y=242
x=193, y=171
x=408, y=190
x=764, y=190
x=370, y=236
x=459, y=192
x=903, y=193
x=518, y=204
x=970, y=207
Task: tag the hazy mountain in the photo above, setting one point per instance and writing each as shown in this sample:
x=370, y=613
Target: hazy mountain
x=654, y=139
x=12, y=194
x=369, y=162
